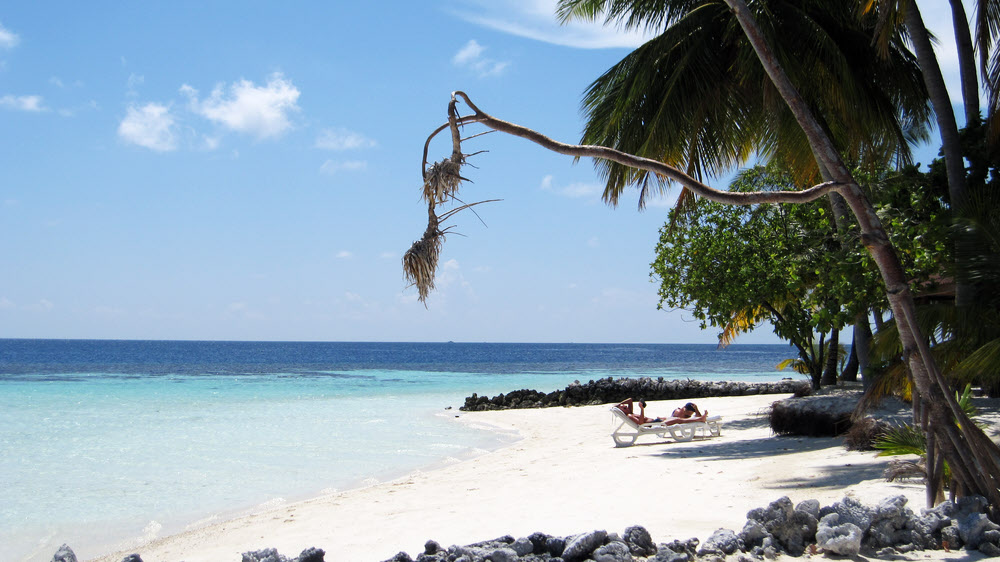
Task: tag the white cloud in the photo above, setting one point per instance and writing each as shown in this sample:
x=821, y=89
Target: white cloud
x=22, y=103
x=344, y=255
x=576, y=190
x=262, y=111
x=536, y=19
x=470, y=57
x=331, y=167
x=8, y=39
x=150, y=126
x=6, y=303
x=469, y=53
x=342, y=139
x=43, y=305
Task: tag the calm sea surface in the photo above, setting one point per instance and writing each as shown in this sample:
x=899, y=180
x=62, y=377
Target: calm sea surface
x=106, y=444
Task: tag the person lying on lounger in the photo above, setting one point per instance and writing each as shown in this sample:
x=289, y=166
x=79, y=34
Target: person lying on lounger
x=684, y=414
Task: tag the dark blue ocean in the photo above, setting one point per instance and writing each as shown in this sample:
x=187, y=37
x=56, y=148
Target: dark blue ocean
x=108, y=444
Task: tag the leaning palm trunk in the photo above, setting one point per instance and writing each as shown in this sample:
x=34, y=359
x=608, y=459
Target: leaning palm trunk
x=950, y=143
x=974, y=458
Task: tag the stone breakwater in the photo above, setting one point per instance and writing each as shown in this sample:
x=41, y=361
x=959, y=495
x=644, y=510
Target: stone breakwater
x=846, y=528
x=609, y=390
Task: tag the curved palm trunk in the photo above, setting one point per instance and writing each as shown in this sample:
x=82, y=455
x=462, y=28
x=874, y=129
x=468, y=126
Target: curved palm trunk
x=966, y=62
x=947, y=126
x=974, y=458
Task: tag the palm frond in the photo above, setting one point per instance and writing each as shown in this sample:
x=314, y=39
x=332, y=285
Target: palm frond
x=902, y=440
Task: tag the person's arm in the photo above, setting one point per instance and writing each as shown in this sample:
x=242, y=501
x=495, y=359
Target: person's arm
x=626, y=406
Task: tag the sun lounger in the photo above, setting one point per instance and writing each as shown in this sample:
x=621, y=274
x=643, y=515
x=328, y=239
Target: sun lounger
x=626, y=431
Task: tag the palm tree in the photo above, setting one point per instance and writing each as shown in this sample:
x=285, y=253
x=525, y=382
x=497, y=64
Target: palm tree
x=696, y=97
x=973, y=457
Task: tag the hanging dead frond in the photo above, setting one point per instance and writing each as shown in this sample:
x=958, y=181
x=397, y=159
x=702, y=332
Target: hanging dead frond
x=420, y=261
x=442, y=180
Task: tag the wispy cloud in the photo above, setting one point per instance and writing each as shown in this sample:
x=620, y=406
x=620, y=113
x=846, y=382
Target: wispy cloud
x=22, y=103
x=150, y=126
x=8, y=39
x=576, y=190
x=470, y=57
x=344, y=255
x=261, y=111
x=342, y=139
x=536, y=19
x=133, y=83
x=331, y=167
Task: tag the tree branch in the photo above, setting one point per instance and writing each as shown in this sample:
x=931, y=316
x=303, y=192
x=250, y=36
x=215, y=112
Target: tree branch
x=659, y=168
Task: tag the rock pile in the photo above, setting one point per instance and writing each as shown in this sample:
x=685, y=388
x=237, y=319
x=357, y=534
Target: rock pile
x=846, y=528
x=66, y=554
x=609, y=390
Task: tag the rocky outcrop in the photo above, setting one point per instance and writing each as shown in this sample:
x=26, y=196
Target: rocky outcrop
x=610, y=390
x=846, y=528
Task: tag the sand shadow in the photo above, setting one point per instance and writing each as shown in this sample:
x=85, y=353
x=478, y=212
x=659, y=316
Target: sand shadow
x=720, y=449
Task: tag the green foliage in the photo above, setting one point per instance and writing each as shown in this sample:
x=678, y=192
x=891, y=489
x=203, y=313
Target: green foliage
x=696, y=96
x=907, y=439
x=735, y=267
x=902, y=439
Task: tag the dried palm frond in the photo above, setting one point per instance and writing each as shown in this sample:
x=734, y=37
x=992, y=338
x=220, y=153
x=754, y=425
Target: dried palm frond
x=900, y=469
x=420, y=261
x=442, y=180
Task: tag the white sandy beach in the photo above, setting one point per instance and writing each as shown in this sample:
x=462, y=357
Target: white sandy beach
x=564, y=477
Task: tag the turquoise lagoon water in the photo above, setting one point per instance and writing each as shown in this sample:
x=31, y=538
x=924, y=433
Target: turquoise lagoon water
x=107, y=444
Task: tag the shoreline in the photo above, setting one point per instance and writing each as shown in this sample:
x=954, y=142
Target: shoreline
x=562, y=476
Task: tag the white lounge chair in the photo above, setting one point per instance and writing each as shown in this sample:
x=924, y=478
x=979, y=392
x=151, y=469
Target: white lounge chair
x=626, y=431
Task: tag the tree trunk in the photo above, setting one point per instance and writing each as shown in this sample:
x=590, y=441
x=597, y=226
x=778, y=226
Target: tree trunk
x=863, y=342
x=850, y=372
x=832, y=358
x=974, y=458
x=966, y=62
x=941, y=102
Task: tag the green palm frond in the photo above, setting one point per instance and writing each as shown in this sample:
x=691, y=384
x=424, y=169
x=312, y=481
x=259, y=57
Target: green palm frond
x=797, y=365
x=696, y=96
x=902, y=440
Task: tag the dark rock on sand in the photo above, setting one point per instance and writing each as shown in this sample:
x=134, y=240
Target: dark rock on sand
x=580, y=546
x=639, y=541
x=722, y=542
x=64, y=554
x=846, y=528
x=307, y=555
x=610, y=391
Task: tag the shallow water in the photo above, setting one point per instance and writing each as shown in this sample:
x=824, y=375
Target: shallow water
x=106, y=444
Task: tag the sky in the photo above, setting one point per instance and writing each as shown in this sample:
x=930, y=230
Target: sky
x=251, y=171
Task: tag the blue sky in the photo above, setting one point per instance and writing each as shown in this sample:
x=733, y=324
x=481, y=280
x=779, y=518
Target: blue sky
x=250, y=171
